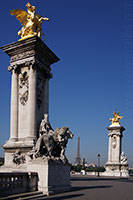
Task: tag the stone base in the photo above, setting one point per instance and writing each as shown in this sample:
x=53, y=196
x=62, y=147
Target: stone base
x=13, y=168
x=11, y=147
x=116, y=173
x=53, y=177
x=118, y=170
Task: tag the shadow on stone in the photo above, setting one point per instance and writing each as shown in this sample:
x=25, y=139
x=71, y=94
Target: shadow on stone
x=65, y=197
x=126, y=180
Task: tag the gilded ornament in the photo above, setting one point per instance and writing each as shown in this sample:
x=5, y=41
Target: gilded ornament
x=31, y=22
x=116, y=118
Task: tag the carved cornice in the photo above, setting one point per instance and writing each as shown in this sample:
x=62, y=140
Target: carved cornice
x=29, y=48
x=116, y=128
x=20, y=56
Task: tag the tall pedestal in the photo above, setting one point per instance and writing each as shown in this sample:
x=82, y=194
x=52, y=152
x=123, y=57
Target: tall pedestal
x=53, y=177
x=30, y=68
x=117, y=164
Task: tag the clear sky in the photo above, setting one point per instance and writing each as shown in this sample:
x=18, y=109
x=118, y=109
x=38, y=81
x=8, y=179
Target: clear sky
x=94, y=41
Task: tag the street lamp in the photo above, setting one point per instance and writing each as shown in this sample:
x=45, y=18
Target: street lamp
x=98, y=157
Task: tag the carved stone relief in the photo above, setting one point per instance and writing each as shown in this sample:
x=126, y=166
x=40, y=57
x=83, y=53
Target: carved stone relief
x=23, y=87
x=22, y=55
x=114, y=142
x=18, y=158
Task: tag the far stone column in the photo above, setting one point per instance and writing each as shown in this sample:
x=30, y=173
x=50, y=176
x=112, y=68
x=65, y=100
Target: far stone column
x=31, y=133
x=109, y=150
x=119, y=147
x=117, y=164
x=14, y=107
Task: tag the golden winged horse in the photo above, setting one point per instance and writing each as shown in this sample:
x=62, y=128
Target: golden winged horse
x=116, y=118
x=31, y=22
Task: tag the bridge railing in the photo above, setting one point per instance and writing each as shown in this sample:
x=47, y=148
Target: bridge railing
x=17, y=182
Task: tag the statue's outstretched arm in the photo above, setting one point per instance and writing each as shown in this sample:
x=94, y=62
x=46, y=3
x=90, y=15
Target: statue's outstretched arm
x=44, y=19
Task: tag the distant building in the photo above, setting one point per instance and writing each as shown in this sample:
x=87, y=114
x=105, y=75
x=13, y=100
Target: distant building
x=78, y=159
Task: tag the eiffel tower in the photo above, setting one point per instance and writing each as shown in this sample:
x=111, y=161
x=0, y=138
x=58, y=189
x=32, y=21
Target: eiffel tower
x=78, y=159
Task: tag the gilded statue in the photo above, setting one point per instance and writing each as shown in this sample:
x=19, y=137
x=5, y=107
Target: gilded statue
x=116, y=118
x=31, y=22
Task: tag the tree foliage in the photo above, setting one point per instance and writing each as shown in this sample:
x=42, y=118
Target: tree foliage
x=78, y=168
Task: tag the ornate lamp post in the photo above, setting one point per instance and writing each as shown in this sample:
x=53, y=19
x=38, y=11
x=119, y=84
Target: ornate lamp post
x=98, y=157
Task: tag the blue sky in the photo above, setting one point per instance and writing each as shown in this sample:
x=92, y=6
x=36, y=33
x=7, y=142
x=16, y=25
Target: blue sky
x=93, y=40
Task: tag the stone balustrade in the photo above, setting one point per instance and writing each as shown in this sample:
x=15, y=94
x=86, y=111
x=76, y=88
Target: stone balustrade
x=17, y=182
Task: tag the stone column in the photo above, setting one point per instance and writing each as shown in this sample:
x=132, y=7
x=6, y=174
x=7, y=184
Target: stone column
x=14, y=106
x=109, y=149
x=25, y=113
x=118, y=148
x=31, y=134
x=115, y=166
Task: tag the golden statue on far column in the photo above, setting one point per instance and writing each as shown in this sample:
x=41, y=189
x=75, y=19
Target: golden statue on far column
x=31, y=22
x=116, y=118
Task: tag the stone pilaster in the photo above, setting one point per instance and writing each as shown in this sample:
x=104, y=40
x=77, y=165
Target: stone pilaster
x=109, y=149
x=31, y=118
x=14, y=107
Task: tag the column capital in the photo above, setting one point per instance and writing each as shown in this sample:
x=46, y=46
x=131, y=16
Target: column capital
x=30, y=63
x=12, y=67
x=115, y=133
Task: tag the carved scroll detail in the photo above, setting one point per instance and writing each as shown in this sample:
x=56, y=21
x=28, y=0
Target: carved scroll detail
x=23, y=88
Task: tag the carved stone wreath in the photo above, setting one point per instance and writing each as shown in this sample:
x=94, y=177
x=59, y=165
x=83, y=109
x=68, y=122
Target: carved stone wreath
x=23, y=88
x=114, y=142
